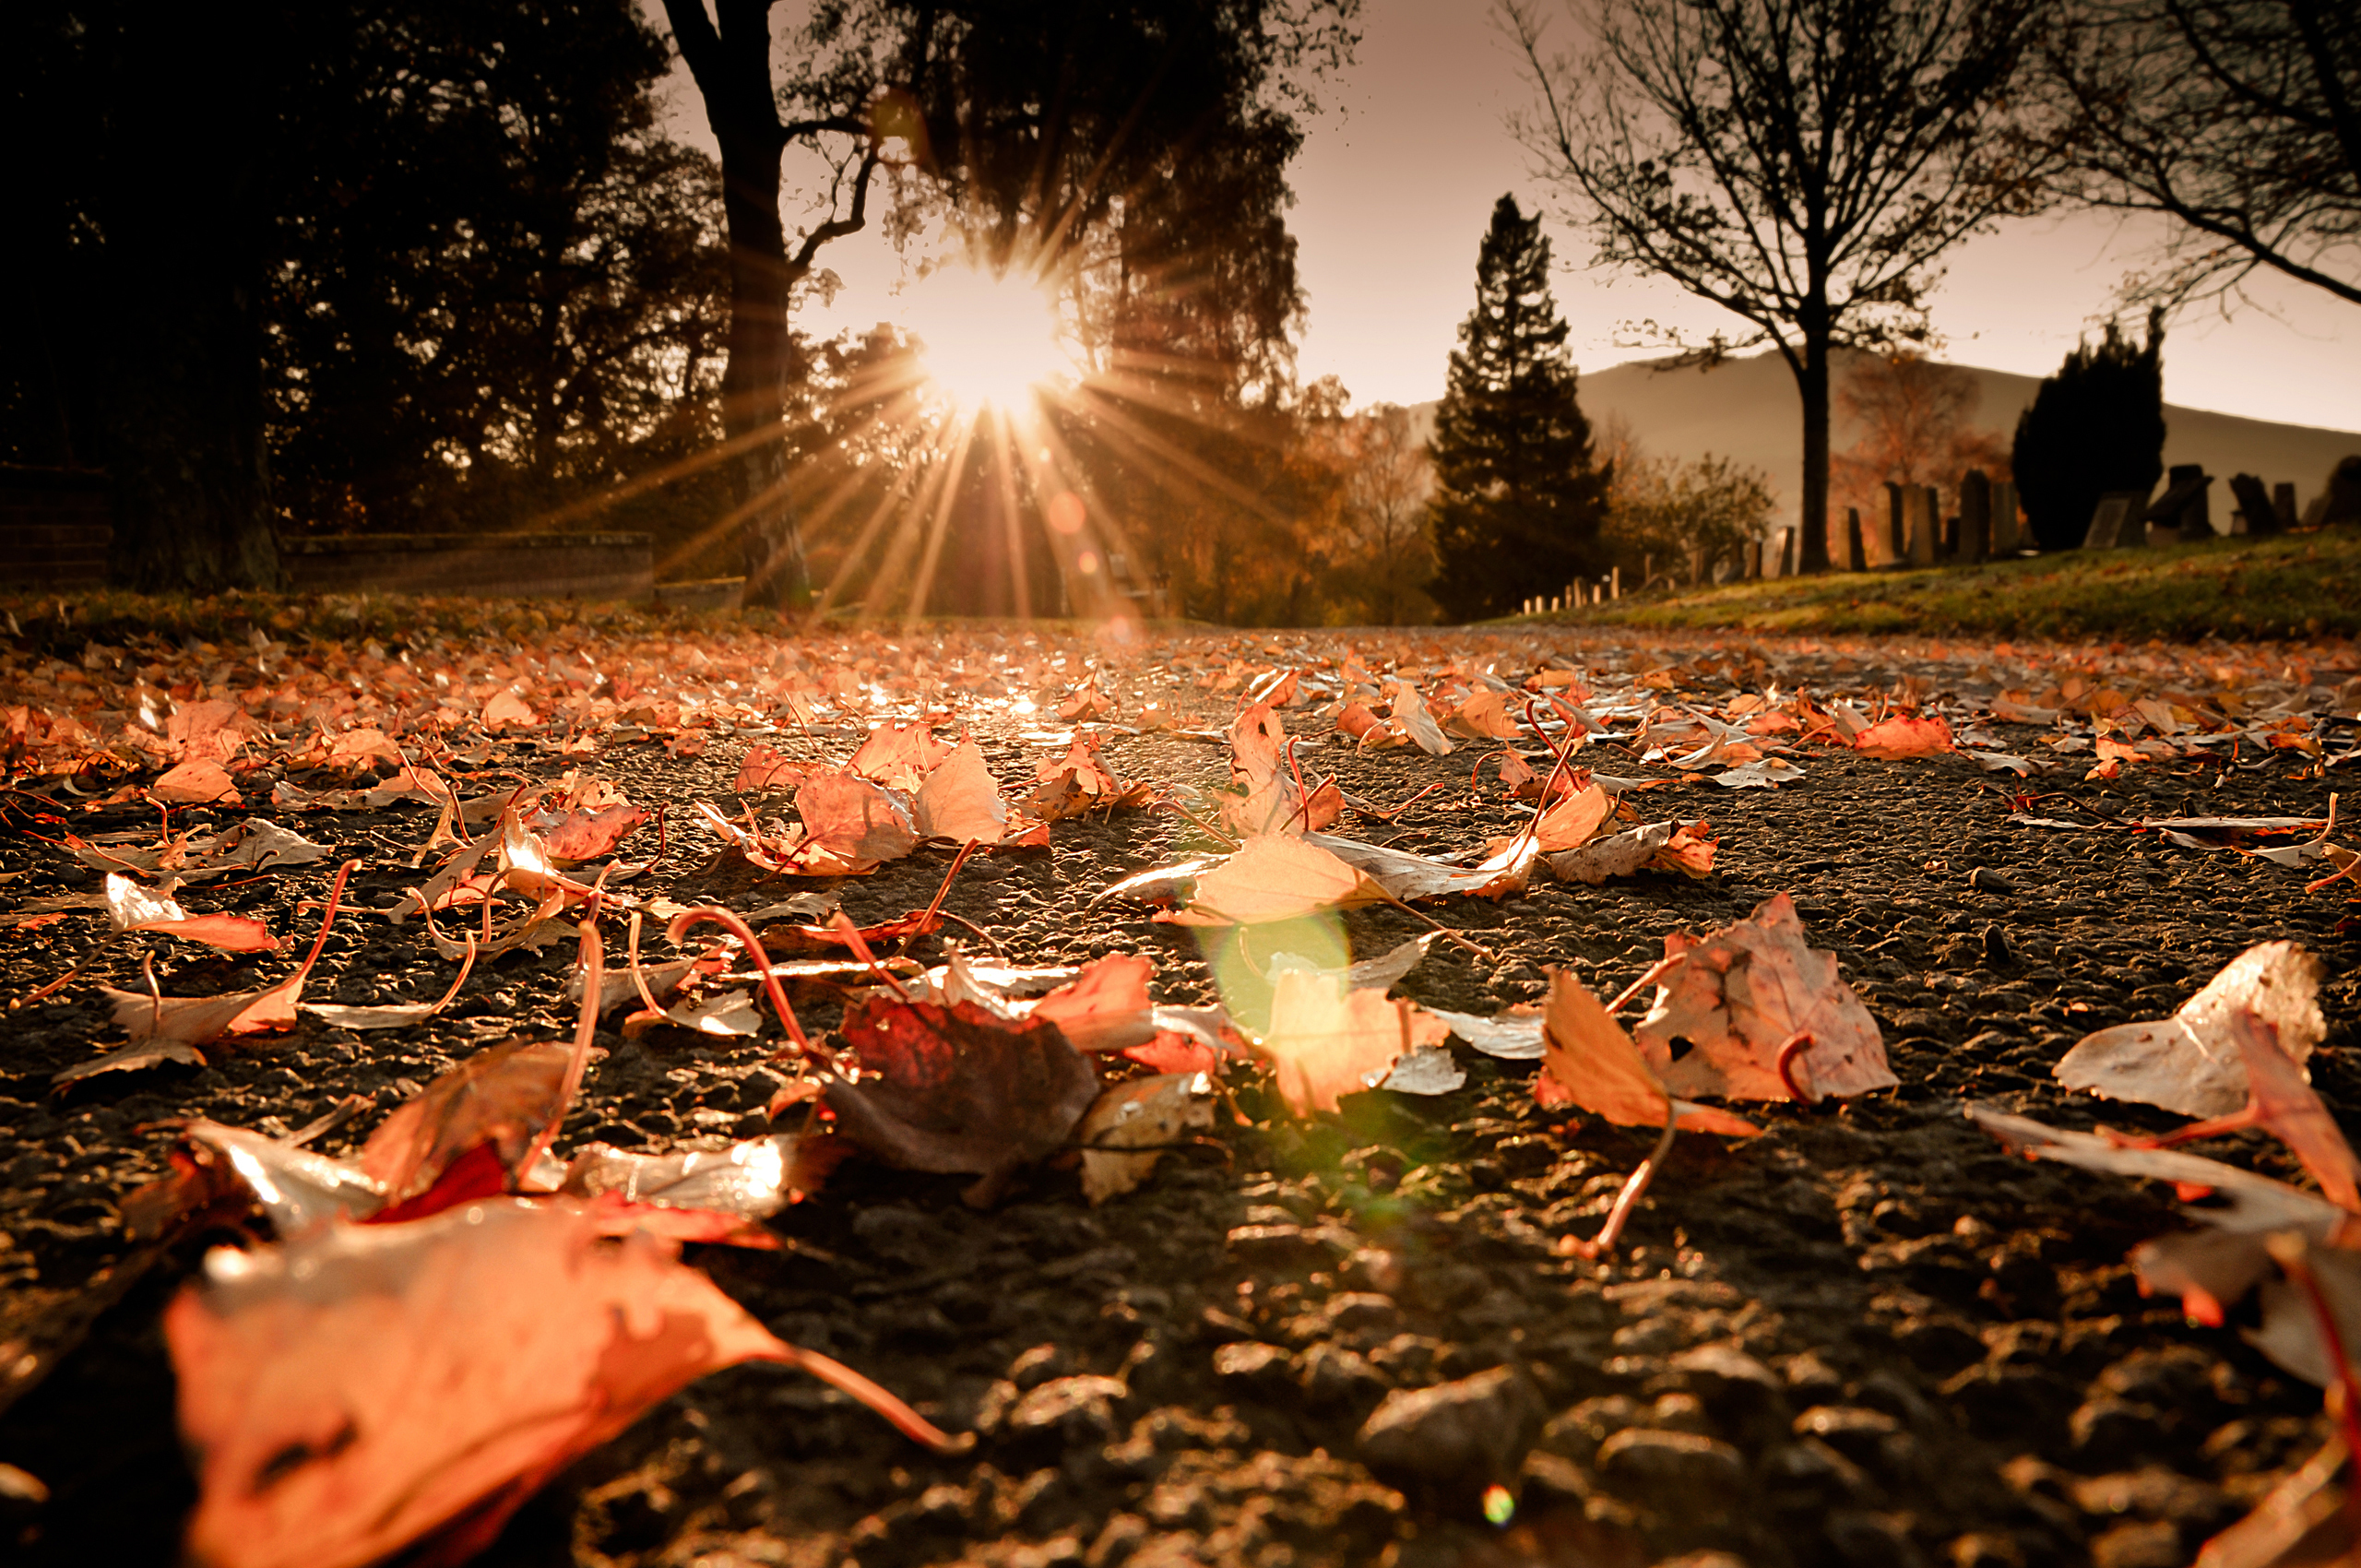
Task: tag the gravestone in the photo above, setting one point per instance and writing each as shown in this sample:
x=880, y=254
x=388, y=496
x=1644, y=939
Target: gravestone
x=2254, y=505
x=1897, y=527
x=2115, y=516
x=2006, y=538
x=1974, y=516
x=1786, y=552
x=1857, y=557
x=2282, y=506
x=1918, y=509
x=2183, y=509
x=2341, y=502
x=1753, y=558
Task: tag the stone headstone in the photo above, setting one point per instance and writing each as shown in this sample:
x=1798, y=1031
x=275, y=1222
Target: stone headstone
x=1856, y=558
x=2254, y=505
x=1786, y=552
x=2182, y=508
x=1753, y=558
x=2282, y=506
x=2116, y=515
x=1918, y=509
x=2344, y=496
x=1897, y=526
x=2007, y=540
x=1974, y=516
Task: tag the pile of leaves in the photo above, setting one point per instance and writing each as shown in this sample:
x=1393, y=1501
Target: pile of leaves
x=469, y=1249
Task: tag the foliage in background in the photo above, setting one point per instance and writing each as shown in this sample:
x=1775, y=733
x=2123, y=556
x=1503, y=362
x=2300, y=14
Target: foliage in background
x=499, y=287
x=1385, y=552
x=1688, y=520
x=1915, y=423
x=2238, y=119
x=1519, y=494
x=2284, y=586
x=2095, y=427
x=1801, y=165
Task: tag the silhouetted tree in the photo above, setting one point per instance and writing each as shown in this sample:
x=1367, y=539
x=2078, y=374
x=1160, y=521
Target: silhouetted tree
x=2238, y=119
x=1801, y=163
x=1518, y=498
x=499, y=287
x=2096, y=426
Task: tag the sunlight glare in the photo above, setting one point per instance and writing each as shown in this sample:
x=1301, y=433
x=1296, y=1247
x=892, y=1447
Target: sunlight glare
x=986, y=340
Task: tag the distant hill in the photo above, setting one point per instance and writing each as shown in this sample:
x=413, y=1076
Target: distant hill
x=1747, y=410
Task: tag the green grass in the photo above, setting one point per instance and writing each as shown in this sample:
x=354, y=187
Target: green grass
x=2299, y=586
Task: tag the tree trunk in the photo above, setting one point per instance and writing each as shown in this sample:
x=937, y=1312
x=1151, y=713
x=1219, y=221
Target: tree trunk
x=754, y=383
x=1811, y=381
x=732, y=66
x=187, y=227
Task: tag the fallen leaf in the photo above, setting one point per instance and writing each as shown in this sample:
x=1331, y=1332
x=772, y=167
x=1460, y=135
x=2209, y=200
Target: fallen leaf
x=1425, y=1070
x=2189, y=1062
x=1327, y=1039
x=1406, y=710
x=1587, y=1059
x=501, y=1100
x=585, y=836
x=1686, y=847
x=361, y=1389
x=959, y=802
x=752, y=1180
x=1106, y=1007
x=1902, y=735
x=854, y=820
x=765, y=768
x=1406, y=876
x=507, y=710
x=1275, y=877
x=199, y=781
x=1740, y=994
x=954, y=1090
x=900, y=754
x=133, y=907
x=1767, y=774
x=1569, y=821
x=1145, y=1114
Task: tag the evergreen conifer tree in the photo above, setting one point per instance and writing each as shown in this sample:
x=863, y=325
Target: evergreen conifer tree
x=2096, y=426
x=1519, y=498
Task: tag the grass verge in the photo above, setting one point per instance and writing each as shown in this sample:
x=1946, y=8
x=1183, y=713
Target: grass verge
x=2296, y=586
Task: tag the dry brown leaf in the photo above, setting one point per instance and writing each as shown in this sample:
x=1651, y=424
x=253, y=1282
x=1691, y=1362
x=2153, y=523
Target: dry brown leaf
x=853, y=819
x=1106, y=1007
x=899, y=755
x=1587, y=1059
x=1905, y=736
x=1275, y=877
x=1739, y=995
x=2189, y=1062
x=1328, y=1038
x=1568, y=822
x=1406, y=877
x=1146, y=1114
x=199, y=781
x=368, y=1388
x=1683, y=847
x=959, y=800
x=953, y=1089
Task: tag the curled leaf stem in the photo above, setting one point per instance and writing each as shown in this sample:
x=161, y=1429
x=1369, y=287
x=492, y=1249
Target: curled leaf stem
x=1790, y=1058
x=1635, y=1187
x=715, y=914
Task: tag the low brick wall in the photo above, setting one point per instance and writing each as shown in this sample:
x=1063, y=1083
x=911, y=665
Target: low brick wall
x=54, y=531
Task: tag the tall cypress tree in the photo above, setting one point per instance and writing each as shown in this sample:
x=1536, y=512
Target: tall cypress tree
x=2096, y=426
x=1519, y=498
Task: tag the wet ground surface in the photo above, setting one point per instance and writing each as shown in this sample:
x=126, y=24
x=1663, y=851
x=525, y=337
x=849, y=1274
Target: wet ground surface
x=1869, y=1336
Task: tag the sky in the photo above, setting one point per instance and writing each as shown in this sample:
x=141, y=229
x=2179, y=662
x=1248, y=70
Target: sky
x=1396, y=185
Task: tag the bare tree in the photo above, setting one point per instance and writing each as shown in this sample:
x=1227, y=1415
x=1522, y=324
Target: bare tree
x=855, y=55
x=1388, y=478
x=1801, y=163
x=2241, y=119
x=1916, y=425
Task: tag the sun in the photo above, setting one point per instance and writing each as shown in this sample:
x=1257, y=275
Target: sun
x=985, y=339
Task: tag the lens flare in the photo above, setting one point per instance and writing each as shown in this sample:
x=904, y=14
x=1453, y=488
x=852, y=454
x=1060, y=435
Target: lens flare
x=986, y=340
